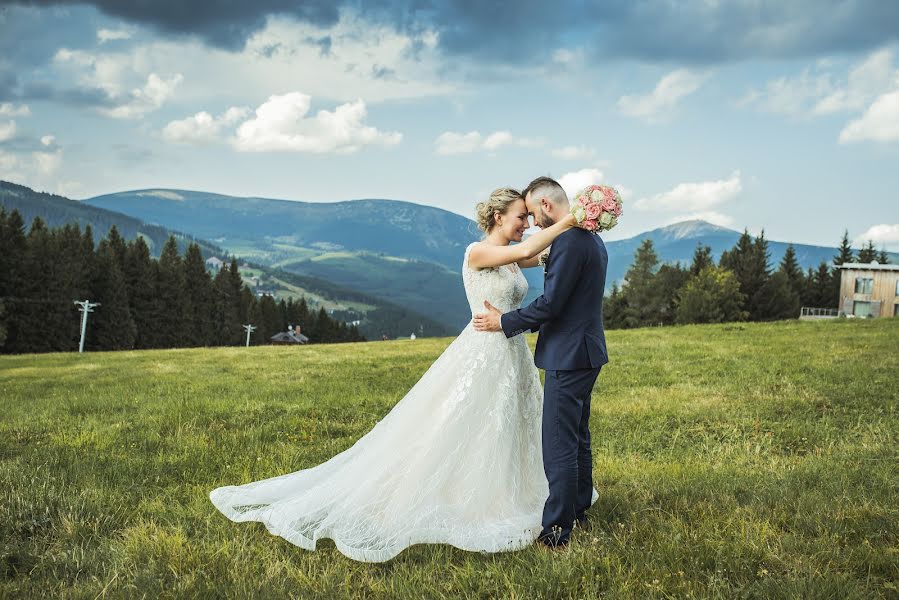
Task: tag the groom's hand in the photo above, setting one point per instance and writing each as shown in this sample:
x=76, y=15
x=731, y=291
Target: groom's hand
x=489, y=321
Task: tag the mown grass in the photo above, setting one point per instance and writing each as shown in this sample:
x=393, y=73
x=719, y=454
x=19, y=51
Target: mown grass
x=732, y=461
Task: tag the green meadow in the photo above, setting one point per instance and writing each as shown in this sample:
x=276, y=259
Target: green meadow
x=732, y=461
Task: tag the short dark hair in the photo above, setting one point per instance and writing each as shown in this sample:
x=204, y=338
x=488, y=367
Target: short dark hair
x=546, y=186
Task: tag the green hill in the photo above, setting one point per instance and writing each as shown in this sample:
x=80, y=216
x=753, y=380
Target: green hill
x=377, y=316
x=723, y=471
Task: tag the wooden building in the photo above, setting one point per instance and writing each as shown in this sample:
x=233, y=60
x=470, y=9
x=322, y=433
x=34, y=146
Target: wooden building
x=869, y=290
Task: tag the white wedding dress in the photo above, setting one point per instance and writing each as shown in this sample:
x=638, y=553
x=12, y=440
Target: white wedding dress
x=457, y=461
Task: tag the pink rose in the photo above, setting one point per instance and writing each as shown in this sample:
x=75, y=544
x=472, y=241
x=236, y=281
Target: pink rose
x=617, y=210
x=609, y=205
x=589, y=224
x=593, y=210
x=609, y=193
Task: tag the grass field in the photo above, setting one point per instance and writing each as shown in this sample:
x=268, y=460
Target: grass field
x=732, y=461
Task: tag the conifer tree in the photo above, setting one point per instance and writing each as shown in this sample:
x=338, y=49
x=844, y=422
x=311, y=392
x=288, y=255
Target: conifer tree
x=614, y=309
x=868, y=253
x=172, y=294
x=111, y=325
x=882, y=257
x=643, y=306
x=844, y=254
x=140, y=283
x=825, y=295
x=702, y=258
x=13, y=249
x=789, y=266
x=227, y=318
x=777, y=299
x=201, y=307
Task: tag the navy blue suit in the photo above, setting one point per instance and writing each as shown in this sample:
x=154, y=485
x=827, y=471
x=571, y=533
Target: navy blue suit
x=571, y=348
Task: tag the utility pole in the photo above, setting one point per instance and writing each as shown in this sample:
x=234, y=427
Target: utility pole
x=250, y=329
x=86, y=307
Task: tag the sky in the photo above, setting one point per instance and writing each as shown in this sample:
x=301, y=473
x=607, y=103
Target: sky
x=780, y=115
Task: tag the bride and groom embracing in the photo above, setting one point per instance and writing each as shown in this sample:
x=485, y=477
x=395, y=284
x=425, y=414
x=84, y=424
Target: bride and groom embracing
x=477, y=454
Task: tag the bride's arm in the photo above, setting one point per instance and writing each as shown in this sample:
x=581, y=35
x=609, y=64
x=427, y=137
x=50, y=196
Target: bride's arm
x=528, y=263
x=483, y=256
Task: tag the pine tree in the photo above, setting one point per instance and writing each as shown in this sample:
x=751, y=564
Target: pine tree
x=270, y=322
x=140, y=282
x=172, y=293
x=2, y=324
x=72, y=282
x=13, y=249
x=666, y=283
x=37, y=301
x=227, y=319
x=117, y=245
x=200, y=303
x=643, y=306
x=825, y=296
x=845, y=251
x=614, y=309
x=868, y=253
x=111, y=326
x=702, y=258
x=711, y=296
x=882, y=257
x=789, y=266
x=777, y=299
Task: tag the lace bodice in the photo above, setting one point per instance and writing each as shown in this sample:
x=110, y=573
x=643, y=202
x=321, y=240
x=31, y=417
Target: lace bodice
x=504, y=287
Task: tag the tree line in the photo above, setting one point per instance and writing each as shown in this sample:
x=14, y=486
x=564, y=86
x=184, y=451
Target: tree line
x=741, y=287
x=169, y=302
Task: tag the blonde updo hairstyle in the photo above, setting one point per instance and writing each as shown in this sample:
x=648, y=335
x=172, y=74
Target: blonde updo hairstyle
x=498, y=203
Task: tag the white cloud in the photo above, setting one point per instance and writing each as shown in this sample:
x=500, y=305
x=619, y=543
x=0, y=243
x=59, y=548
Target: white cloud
x=146, y=99
x=693, y=197
x=202, y=127
x=46, y=163
x=7, y=109
x=575, y=181
x=865, y=81
x=574, y=153
x=667, y=93
x=880, y=123
x=881, y=235
x=820, y=90
x=7, y=130
x=450, y=142
x=107, y=35
x=282, y=124
x=131, y=87
x=790, y=96
x=458, y=143
x=48, y=140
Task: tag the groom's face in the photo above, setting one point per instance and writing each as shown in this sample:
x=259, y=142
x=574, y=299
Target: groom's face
x=536, y=212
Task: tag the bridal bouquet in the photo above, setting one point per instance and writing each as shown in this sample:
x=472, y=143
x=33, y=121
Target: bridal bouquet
x=597, y=208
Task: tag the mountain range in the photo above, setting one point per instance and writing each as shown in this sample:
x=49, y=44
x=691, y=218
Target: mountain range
x=404, y=254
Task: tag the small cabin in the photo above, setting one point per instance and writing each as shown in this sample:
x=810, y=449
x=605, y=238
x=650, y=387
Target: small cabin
x=291, y=336
x=869, y=290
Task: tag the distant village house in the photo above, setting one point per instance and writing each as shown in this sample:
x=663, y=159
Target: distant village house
x=869, y=290
x=214, y=263
x=291, y=336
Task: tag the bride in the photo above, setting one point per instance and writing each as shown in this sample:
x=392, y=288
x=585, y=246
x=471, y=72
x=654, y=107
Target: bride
x=458, y=460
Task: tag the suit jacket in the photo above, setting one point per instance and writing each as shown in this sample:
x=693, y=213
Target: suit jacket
x=569, y=313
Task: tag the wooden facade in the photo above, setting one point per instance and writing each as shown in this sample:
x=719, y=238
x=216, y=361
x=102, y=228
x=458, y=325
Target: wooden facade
x=869, y=290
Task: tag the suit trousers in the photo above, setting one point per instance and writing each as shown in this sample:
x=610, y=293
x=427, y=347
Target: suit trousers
x=566, y=450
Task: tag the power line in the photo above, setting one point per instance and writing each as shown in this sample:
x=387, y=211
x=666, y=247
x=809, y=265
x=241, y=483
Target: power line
x=250, y=329
x=86, y=307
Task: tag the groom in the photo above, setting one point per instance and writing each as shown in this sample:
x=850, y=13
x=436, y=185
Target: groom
x=571, y=348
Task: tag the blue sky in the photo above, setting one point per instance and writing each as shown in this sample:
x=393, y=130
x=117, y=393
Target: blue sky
x=775, y=115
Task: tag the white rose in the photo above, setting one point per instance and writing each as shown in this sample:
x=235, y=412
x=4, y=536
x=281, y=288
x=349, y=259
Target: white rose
x=613, y=222
x=580, y=214
x=605, y=219
x=596, y=196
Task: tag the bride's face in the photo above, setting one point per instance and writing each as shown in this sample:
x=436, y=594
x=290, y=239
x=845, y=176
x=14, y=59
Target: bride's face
x=514, y=222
